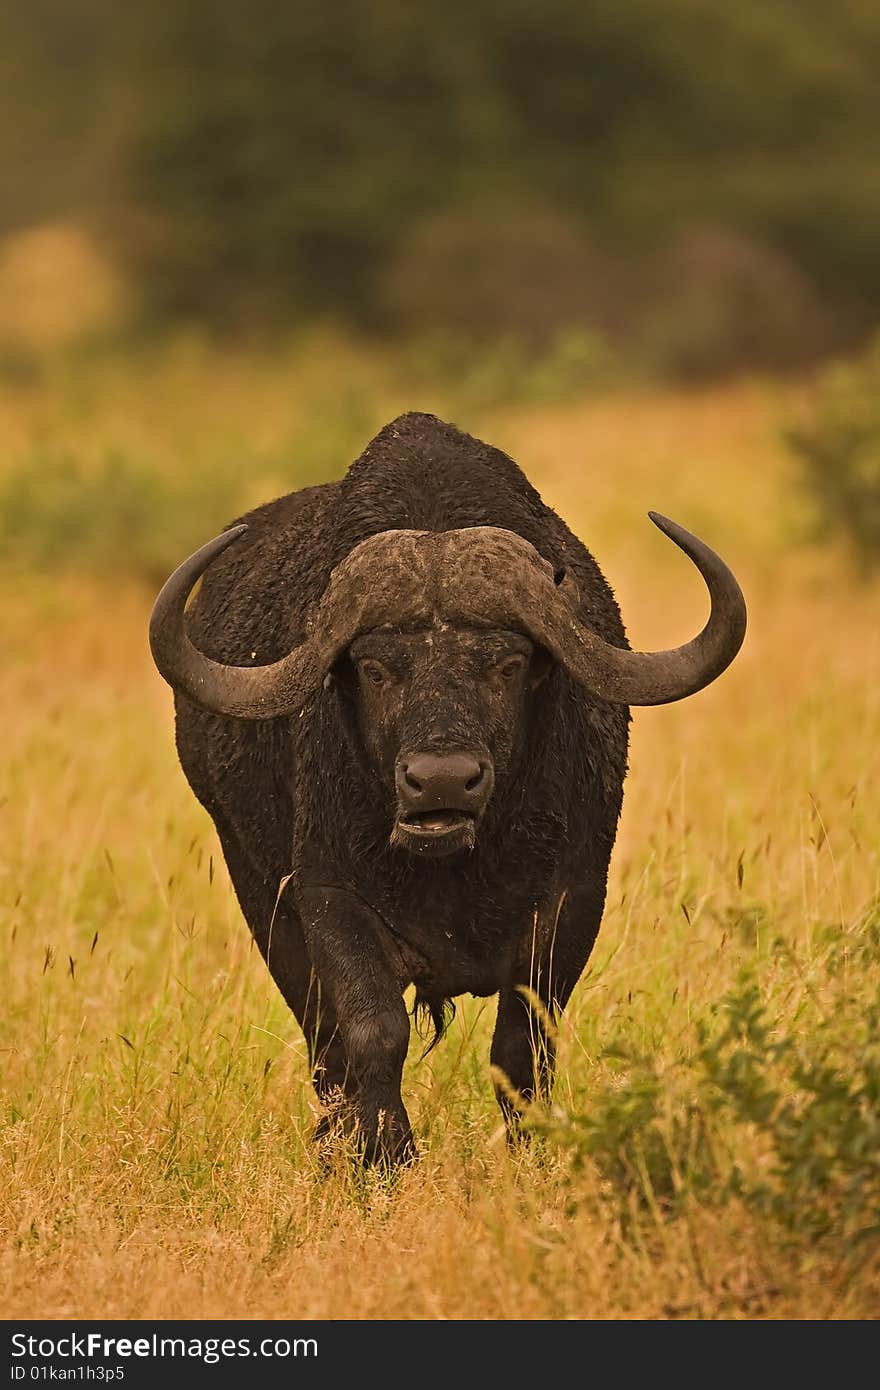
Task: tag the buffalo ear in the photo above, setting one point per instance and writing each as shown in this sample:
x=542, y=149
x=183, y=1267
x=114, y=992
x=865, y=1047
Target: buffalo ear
x=541, y=665
x=341, y=679
x=567, y=586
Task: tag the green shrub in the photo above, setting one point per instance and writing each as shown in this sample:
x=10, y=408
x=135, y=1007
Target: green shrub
x=127, y=516
x=785, y=1120
x=838, y=446
x=122, y=517
x=811, y=1105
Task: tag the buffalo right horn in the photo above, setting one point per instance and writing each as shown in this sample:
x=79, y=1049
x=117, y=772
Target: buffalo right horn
x=499, y=577
x=377, y=584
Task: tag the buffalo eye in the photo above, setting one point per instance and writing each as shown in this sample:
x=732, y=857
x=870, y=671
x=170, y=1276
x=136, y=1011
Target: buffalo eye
x=511, y=667
x=373, y=672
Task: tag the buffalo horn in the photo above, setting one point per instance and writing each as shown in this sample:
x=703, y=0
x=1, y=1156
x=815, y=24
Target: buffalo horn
x=475, y=576
x=658, y=678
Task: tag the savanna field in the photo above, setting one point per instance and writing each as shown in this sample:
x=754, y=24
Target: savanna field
x=713, y=1146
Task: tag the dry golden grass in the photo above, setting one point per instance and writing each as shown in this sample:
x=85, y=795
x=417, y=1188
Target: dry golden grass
x=154, y=1152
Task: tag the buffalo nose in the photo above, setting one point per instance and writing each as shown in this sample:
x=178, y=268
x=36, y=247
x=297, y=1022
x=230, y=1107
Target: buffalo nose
x=451, y=781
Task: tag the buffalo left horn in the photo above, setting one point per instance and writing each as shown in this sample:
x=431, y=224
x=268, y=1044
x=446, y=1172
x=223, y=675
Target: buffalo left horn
x=653, y=678
x=487, y=575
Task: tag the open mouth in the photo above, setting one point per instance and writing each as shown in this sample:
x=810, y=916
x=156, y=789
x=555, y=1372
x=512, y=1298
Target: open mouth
x=443, y=830
x=438, y=822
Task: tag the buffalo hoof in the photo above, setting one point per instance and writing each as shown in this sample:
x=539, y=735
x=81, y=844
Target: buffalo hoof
x=383, y=1140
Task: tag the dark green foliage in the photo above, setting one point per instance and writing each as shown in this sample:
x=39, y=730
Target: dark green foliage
x=264, y=161
x=290, y=152
x=839, y=450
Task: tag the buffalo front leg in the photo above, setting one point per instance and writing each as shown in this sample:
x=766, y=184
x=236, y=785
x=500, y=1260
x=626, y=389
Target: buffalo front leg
x=353, y=963
x=523, y=1051
x=276, y=928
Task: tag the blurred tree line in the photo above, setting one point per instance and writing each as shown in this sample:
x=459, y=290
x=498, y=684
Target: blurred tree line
x=399, y=164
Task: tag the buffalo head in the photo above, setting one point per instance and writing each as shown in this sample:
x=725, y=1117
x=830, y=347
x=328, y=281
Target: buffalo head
x=440, y=713
x=442, y=638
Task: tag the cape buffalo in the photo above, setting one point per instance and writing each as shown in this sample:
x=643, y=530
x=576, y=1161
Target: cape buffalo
x=403, y=699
